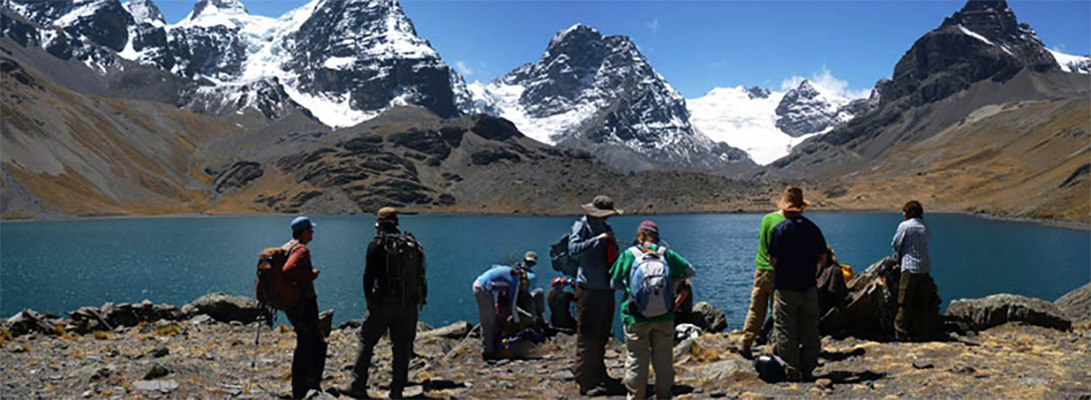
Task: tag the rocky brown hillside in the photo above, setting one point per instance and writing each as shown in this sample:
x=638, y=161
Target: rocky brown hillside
x=1015, y=347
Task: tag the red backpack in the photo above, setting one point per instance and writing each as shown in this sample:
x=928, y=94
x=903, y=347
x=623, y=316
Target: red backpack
x=273, y=288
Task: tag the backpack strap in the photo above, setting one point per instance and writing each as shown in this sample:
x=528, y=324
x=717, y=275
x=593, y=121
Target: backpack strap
x=635, y=250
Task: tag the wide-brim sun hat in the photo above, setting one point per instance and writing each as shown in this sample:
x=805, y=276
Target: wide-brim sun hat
x=792, y=200
x=601, y=207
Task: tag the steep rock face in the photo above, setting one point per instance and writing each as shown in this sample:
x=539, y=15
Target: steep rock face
x=103, y=22
x=266, y=96
x=600, y=94
x=981, y=46
x=213, y=40
x=981, y=41
x=369, y=51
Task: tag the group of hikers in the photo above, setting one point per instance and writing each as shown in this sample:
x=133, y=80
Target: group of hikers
x=655, y=281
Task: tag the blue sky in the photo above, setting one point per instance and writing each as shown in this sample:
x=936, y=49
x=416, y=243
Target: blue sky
x=698, y=45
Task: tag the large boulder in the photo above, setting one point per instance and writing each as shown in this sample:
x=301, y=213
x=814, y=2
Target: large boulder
x=1077, y=303
x=872, y=303
x=224, y=307
x=998, y=309
x=28, y=321
x=708, y=318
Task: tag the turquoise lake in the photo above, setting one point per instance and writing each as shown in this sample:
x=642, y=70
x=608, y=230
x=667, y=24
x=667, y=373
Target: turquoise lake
x=59, y=266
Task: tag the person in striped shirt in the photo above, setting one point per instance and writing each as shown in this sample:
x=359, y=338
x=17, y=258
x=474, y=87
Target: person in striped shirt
x=918, y=301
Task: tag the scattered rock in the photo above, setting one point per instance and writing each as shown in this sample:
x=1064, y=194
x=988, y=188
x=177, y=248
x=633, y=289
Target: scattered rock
x=922, y=365
x=156, y=385
x=226, y=308
x=726, y=370
x=683, y=348
x=457, y=330
x=200, y=319
x=1076, y=304
x=159, y=352
x=157, y=371
x=999, y=309
x=352, y=323
x=824, y=383
x=710, y=319
x=963, y=369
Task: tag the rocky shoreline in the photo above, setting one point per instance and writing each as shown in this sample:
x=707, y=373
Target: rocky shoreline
x=1002, y=346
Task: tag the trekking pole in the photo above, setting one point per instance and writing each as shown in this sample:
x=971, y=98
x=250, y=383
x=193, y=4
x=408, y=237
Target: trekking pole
x=257, y=340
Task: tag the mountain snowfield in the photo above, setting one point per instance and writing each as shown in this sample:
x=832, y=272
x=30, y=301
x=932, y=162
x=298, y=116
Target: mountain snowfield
x=747, y=118
x=347, y=61
x=736, y=117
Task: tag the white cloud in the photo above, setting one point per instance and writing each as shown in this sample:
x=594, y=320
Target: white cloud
x=653, y=25
x=464, y=68
x=825, y=79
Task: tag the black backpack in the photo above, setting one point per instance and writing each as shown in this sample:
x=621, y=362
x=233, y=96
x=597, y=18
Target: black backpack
x=560, y=259
x=405, y=277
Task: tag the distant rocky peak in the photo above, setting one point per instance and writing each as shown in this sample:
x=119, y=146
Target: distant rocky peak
x=144, y=11
x=210, y=7
x=806, y=90
x=578, y=33
x=755, y=92
x=989, y=18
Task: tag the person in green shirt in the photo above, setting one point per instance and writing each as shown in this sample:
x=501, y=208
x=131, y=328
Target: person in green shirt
x=761, y=297
x=649, y=338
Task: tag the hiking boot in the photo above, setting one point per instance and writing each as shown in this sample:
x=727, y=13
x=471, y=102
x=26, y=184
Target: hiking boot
x=352, y=391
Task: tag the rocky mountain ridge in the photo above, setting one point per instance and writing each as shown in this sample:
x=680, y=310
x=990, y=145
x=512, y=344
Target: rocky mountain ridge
x=600, y=94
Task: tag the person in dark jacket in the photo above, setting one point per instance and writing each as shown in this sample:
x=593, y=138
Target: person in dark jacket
x=796, y=248
x=309, y=358
x=592, y=243
x=560, y=305
x=394, y=289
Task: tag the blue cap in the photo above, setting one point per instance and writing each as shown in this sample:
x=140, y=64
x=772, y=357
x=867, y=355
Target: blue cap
x=299, y=224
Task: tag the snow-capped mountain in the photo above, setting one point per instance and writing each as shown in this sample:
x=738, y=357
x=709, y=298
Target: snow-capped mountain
x=343, y=60
x=600, y=94
x=1071, y=63
x=766, y=124
x=807, y=109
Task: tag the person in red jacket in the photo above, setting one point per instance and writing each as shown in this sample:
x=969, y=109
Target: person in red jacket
x=309, y=358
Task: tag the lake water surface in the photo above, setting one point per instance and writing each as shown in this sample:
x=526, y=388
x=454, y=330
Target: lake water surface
x=62, y=265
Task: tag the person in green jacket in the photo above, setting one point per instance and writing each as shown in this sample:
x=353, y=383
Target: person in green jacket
x=649, y=329
x=761, y=297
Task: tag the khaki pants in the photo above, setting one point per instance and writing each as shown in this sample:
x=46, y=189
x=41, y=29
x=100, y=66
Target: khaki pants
x=760, y=301
x=654, y=342
x=918, y=307
x=795, y=330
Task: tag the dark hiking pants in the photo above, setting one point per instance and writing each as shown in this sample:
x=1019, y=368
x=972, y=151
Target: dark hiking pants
x=918, y=307
x=401, y=322
x=596, y=309
x=795, y=330
x=309, y=359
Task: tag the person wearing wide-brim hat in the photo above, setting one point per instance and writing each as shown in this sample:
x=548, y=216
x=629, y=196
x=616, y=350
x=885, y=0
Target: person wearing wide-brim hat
x=796, y=249
x=761, y=297
x=592, y=243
